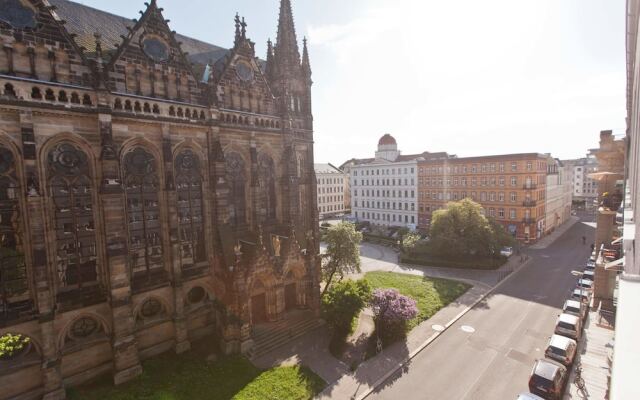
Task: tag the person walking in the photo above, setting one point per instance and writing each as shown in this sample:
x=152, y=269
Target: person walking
x=584, y=240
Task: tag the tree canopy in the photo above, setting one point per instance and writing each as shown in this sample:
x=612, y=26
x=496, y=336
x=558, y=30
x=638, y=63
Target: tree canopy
x=462, y=230
x=343, y=252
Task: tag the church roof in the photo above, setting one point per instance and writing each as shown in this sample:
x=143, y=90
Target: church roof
x=85, y=21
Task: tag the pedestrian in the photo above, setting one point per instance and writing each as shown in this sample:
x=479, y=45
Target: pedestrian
x=584, y=240
x=593, y=246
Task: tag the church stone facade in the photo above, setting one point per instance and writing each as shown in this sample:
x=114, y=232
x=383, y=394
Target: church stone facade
x=154, y=189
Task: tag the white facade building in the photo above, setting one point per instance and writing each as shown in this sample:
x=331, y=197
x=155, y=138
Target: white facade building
x=384, y=188
x=558, y=197
x=331, y=183
x=584, y=188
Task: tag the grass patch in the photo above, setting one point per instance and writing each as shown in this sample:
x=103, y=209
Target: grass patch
x=430, y=294
x=480, y=263
x=190, y=377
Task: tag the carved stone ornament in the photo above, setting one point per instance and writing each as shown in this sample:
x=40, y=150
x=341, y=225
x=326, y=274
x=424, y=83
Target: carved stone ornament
x=139, y=162
x=67, y=159
x=155, y=48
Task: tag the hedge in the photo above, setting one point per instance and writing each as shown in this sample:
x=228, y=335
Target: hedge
x=476, y=263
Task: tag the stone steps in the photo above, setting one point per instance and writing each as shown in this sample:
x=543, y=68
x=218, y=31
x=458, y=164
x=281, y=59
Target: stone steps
x=279, y=334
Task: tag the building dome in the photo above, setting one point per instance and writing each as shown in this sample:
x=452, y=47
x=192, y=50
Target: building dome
x=386, y=140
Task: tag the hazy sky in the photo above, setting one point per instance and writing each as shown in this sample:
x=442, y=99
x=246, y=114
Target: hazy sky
x=468, y=77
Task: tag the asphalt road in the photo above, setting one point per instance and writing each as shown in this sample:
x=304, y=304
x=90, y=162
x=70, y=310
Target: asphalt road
x=510, y=329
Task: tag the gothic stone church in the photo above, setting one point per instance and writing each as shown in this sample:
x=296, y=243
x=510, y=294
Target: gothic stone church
x=154, y=189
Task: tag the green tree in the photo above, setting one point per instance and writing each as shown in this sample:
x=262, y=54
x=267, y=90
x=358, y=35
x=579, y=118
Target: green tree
x=461, y=230
x=343, y=302
x=343, y=253
x=410, y=240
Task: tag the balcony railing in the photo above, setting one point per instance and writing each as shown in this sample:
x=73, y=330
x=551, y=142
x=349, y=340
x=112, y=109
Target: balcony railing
x=529, y=203
x=528, y=220
x=528, y=186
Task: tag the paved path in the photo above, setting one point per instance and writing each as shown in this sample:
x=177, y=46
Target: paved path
x=489, y=352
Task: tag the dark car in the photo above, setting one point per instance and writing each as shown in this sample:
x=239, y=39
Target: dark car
x=548, y=379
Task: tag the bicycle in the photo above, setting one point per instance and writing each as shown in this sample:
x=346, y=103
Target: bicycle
x=578, y=380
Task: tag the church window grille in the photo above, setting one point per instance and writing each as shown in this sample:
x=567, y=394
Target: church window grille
x=190, y=210
x=71, y=188
x=142, y=185
x=13, y=271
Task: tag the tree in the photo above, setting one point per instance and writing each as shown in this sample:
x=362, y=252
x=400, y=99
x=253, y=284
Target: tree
x=343, y=302
x=462, y=230
x=410, y=240
x=343, y=252
x=392, y=311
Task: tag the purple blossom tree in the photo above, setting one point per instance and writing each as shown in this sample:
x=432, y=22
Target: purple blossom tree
x=392, y=311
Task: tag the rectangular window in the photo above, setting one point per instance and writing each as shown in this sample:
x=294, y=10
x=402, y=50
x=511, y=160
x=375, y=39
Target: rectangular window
x=500, y=212
x=512, y=213
x=514, y=181
x=514, y=197
x=514, y=166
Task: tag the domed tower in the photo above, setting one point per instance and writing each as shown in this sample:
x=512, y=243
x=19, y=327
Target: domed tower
x=387, y=148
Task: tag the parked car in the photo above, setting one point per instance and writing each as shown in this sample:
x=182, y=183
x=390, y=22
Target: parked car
x=585, y=284
x=575, y=307
x=528, y=396
x=506, y=251
x=548, y=379
x=581, y=295
x=568, y=325
x=588, y=274
x=590, y=266
x=561, y=349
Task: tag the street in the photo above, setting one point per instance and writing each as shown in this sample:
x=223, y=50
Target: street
x=490, y=351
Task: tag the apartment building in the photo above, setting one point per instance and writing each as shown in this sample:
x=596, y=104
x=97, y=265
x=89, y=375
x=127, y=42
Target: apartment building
x=511, y=188
x=585, y=188
x=331, y=183
x=559, y=194
x=384, y=188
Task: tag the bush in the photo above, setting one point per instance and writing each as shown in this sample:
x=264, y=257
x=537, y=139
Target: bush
x=392, y=311
x=11, y=345
x=343, y=302
x=480, y=263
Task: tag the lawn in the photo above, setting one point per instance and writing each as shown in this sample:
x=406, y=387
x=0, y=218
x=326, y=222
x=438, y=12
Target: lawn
x=190, y=377
x=431, y=294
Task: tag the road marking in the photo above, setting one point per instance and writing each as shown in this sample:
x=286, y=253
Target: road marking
x=437, y=328
x=545, y=256
x=467, y=328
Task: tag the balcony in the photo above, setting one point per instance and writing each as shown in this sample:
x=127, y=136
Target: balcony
x=529, y=203
x=530, y=186
x=528, y=220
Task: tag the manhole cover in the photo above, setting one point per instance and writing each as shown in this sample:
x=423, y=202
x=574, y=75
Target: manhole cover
x=467, y=328
x=437, y=328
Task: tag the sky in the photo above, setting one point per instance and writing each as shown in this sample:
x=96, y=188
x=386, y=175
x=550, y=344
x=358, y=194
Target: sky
x=467, y=77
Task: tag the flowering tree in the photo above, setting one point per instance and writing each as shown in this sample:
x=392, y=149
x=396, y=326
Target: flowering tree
x=392, y=311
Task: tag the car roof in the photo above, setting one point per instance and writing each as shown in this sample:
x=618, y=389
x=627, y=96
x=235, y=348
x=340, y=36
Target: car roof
x=572, y=303
x=560, y=342
x=568, y=318
x=589, y=281
x=528, y=396
x=545, y=369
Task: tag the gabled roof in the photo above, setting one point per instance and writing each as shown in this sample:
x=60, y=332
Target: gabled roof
x=326, y=169
x=85, y=21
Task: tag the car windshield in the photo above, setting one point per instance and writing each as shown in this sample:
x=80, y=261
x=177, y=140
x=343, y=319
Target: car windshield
x=564, y=325
x=556, y=351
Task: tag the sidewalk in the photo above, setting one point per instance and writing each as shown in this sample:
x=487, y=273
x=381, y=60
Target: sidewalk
x=359, y=383
x=593, y=354
x=548, y=240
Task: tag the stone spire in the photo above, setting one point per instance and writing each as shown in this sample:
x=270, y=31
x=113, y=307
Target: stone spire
x=270, y=61
x=306, y=65
x=287, y=53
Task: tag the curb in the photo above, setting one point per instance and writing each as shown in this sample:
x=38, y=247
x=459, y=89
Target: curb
x=437, y=334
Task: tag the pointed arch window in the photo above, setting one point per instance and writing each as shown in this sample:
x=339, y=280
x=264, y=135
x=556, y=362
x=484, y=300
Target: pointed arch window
x=190, y=210
x=142, y=185
x=267, y=183
x=236, y=178
x=14, y=287
x=71, y=188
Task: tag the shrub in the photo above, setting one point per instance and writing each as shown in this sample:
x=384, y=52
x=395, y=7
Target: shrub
x=343, y=302
x=11, y=345
x=392, y=311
